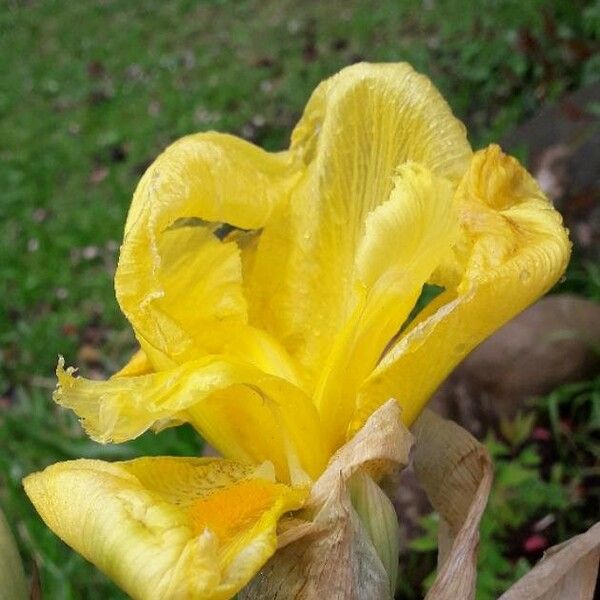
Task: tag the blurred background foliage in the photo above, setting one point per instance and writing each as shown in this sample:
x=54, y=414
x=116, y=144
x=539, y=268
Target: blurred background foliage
x=91, y=91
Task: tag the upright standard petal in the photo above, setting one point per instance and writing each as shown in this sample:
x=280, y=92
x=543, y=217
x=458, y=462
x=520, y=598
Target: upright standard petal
x=176, y=277
x=177, y=528
x=405, y=240
x=357, y=128
x=512, y=249
x=242, y=411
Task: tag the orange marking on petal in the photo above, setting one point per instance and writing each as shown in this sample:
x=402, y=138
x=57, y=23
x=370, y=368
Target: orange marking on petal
x=233, y=509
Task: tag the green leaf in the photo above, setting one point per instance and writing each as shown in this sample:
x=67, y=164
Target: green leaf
x=12, y=575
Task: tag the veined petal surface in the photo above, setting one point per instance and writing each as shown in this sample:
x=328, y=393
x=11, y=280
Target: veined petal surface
x=405, y=240
x=177, y=528
x=357, y=129
x=245, y=413
x=512, y=249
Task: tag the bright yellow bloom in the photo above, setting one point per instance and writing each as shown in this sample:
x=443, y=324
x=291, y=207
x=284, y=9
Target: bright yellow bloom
x=272, y=295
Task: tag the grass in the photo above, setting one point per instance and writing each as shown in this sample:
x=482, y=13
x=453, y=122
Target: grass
x=91, y=91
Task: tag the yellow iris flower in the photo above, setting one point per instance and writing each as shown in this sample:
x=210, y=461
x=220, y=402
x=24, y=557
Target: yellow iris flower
x=272, y=297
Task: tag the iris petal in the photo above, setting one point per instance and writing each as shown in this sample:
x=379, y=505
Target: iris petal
x=357, y=128
x=175, y=277
x=405, y=239
x=138, y=364
x=268, y=419
x=166, y=527
x=264, y=290
x=512, y=249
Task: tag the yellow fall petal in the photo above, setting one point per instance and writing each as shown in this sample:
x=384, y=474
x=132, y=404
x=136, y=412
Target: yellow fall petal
x=175, y=277
x=245, y=413
x=177, y=528
x=512, y=249
x=404, y=241
x=358, y=127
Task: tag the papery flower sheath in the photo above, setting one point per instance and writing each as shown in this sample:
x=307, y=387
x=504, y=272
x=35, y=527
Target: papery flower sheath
x=273, y=297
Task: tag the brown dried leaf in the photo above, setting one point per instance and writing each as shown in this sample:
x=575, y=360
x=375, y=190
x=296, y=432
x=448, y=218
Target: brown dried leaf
x=566, y=572
x=35, y=589
x=380, y=447
x=333, y=559
x=328, y=554
x=456, y=473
